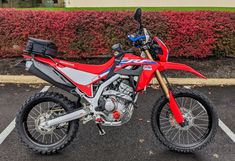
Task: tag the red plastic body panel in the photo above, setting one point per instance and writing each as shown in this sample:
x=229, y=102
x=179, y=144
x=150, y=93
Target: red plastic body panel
x=146, y=76
x=149, y=68
x=177, y=66
x=164, y=56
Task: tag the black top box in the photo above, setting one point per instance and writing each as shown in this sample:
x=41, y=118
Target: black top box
x=45, y=48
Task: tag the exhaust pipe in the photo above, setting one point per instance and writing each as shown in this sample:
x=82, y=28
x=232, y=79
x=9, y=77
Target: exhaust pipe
x=66, y=118
x=49, y=74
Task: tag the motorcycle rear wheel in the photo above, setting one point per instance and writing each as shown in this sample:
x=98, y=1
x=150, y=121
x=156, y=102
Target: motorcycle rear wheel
x=201, y=117
x=41, y=106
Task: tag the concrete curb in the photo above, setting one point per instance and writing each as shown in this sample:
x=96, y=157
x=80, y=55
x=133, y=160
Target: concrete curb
x=179, y=81
x=21, y=79
x=198, y=81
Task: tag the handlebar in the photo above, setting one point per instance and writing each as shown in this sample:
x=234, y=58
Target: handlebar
x=140, y=39
x=134, y=38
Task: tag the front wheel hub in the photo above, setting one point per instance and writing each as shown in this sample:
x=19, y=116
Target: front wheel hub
x=188, y=120
x=185, y=123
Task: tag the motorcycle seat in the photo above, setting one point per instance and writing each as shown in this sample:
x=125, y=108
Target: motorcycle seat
x=90, y=68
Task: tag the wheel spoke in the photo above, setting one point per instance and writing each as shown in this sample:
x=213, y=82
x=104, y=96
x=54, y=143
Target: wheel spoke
x=202, y=113
x=197, y=118
x=40, y=108
x=175, y=135
x=38, y=136
x=165, y=110
x=191, y=134
x=195, y=107
x=32, y=111
x=163, y=118
x=62, y=130
x=166, y=126
x=172, y=128
x=35, y=109
x=28, y=125
x=33, y=133
x=196, y=128
x=163, y=123
x=179, y=135
x=187, y=137
x=34, y=129
x=182, y=102
x=32, y=117
x=190, y=104
x=51, y=137
x=43, y=138
x=56, y=136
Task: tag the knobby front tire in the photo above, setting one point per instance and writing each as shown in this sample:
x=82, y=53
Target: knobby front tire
x=202, y=124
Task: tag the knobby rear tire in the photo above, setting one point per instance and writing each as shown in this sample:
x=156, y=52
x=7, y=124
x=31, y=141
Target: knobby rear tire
x=26, y=108
x=162, y=101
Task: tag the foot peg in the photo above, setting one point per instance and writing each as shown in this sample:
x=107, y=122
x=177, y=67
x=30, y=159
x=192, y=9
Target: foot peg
x=101, y=131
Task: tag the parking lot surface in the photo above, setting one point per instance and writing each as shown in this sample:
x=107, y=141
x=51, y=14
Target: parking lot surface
x=133, y=141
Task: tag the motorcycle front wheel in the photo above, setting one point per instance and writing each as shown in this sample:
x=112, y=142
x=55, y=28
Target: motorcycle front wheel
x=41, y=107
x=200, y=116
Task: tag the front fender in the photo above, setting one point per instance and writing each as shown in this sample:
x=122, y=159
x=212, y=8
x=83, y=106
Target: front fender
x=177, y=66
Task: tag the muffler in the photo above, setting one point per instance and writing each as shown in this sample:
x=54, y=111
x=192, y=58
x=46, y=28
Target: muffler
x=49, y=74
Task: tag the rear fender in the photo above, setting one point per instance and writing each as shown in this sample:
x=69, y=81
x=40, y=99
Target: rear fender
x=177, y=66
x=27, y=56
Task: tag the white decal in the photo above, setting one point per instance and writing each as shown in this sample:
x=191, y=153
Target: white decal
x=147, y=67
x=78, y=76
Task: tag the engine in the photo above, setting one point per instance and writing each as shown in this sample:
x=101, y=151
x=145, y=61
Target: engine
x=117, y=102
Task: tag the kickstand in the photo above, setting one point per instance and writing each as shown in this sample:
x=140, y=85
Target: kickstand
x=101, y=131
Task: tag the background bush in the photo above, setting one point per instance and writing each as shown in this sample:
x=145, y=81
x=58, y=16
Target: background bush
x=89, y=33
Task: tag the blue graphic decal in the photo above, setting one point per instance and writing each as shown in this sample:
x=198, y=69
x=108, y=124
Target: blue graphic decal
x=125, y=61
x=105, y=72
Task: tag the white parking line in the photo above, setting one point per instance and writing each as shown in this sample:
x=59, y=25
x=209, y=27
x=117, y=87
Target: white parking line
x=7, y=131
x=46, y=88
x=227, y=130
x=11, y=126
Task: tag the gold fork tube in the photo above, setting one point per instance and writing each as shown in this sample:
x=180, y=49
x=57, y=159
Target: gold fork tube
x=159, y=77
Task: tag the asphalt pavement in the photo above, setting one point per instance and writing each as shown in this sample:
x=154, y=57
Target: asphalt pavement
x=133, y=141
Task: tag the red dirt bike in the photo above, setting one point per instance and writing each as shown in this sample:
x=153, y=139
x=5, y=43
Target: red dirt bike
x=183, y=120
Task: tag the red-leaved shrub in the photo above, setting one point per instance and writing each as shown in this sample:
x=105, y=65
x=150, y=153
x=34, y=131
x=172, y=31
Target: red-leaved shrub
x=224, y=27
x=90, y=33
x=190, y=34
